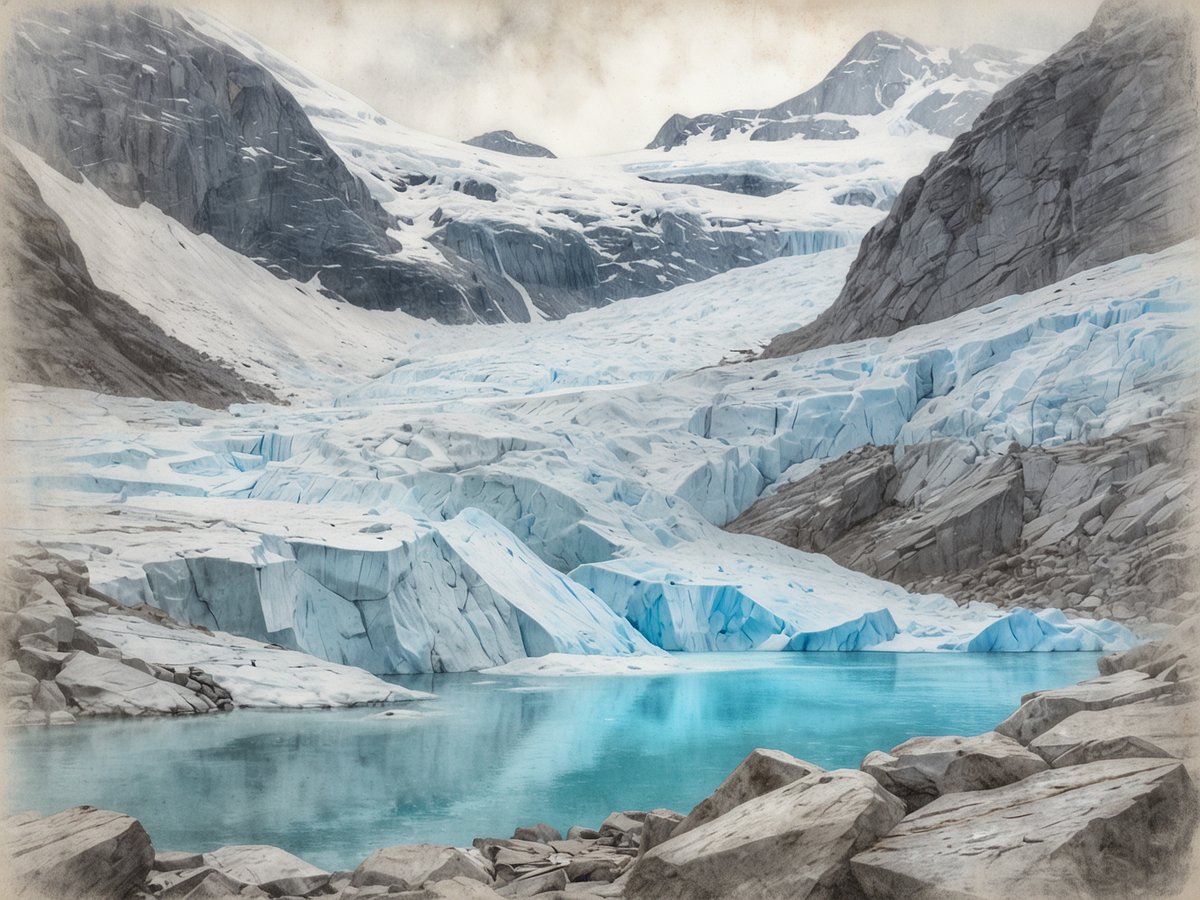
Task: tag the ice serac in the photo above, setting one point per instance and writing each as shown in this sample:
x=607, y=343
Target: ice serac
x=153, y=111
x=507, y=142
x=943, y=89
x=698, y=606
x=65, y=331
x=401, y=597
x=1086, y=159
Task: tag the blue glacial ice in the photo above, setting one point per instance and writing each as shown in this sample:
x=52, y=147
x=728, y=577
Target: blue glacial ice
x=492, y=500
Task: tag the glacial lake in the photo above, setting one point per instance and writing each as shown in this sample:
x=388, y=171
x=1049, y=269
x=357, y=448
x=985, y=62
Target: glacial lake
x=492, y=753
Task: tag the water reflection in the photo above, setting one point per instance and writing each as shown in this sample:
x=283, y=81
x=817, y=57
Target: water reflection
x=484, y=757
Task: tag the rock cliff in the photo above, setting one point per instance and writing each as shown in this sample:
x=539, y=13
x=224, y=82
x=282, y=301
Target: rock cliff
x=63, y=331
x=1100, y=527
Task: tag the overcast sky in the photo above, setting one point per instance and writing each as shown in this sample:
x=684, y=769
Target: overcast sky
x=600, y=76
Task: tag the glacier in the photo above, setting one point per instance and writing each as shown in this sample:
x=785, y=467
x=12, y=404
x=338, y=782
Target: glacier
x=518, y=491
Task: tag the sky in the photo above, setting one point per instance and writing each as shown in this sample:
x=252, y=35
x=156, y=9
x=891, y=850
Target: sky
x=589, y=77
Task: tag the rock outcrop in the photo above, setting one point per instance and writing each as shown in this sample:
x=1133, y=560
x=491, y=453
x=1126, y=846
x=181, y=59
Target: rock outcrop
x=408, y=866
x=1042, y=710
x=924, y=768
x=792, y=843
x=1113, y=828
x=1086, y=159
x=89, y=853
x=507, y=142
x=871, y=79
x=63, y=331
x=761, y=772
x=1099, y=528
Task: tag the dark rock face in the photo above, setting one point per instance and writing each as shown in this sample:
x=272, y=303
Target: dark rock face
x=876, y=72
x=81, y=852
x=1087, y=159
x=732, y=182
x=63, y=331
x=1099, y=528
x=152, y=111
x=507, y=142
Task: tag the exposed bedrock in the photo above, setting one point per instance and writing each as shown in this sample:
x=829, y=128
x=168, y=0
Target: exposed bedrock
x=1087, y=158
x=1099, y=528
x=150, y=110
x=63, y=331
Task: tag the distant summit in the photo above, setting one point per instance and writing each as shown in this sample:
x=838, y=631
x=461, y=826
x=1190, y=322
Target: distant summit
x=507, y=142
x=941, y=90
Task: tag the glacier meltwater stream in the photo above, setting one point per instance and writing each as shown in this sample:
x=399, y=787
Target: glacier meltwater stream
x=492, y=753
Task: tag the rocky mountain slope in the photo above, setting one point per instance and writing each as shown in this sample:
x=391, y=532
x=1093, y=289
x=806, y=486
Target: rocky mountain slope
x=1088, y=158
x=507, y=142
x=1100, y=527
x=182, y=112
x=65, y=331
x=942, y=90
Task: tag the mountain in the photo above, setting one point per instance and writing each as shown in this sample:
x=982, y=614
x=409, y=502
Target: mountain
x=64, y=331
x=179, y=111
x=1088, y=158
x=507, y=142
x=940, y=90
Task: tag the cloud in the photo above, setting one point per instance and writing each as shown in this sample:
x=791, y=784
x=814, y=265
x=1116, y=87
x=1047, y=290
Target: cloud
x=600, y=76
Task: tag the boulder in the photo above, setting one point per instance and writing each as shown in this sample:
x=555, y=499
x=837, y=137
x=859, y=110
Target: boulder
x=536, y=883
x=193, y=883
x=81, y=852
x=1117, y=828
x=923, y=768
x=604, y=864
x=761, y=772
x=539, y=832
x=658, y=827
x=101, y=686
x=622, y=829
x=1042, y=710
x=274, y=870
x=409, y=866
x=792, y=843
x=1170, y=727
x=170, y=860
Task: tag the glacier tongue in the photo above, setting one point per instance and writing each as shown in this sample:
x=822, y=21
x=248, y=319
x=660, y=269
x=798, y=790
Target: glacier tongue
x=404, y=534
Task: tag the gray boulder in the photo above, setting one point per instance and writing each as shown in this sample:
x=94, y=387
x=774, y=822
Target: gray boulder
x=761, y=772
x=660, y=824
x=1042, y=710
x=789, y=844
x=539, y=832
x=409, y=866
x=1170, y=727
x=81, y=852
x=274, y=870
x=100, y=686
x=923, y=768
x=1118, y=828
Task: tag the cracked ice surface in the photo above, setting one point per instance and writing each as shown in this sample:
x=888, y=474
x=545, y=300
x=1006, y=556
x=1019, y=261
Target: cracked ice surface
x=428, y=518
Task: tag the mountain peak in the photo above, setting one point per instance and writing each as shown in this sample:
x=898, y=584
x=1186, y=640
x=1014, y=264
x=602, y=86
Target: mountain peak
x=505, y=141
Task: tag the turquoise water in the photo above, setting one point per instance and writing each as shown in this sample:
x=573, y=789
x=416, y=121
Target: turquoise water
x=491, y=754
